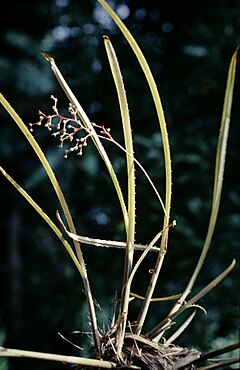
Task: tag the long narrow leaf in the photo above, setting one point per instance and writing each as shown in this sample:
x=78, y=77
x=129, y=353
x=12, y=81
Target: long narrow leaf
x=157, y=299
x=154, y=333
x=46, y=218
x=46, y=167
x=218, y=180
x=122, y=99
x=71, y=360
x=65, y=208
x=180, y=330
x=219, y=352
x=211, y=285
x=104, y=243
x=221, y=364
x=87, y=123
x=157, y=101
x=167, y=157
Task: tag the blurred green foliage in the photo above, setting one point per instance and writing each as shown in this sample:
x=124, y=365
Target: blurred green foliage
x=3, y=361
x=188, y=46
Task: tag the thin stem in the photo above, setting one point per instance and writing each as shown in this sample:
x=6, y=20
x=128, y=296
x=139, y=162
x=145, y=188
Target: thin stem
x=112, y=140
x=141, y=258
x=149, y=293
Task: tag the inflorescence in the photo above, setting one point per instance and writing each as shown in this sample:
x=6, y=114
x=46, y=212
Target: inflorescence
x=67, y=128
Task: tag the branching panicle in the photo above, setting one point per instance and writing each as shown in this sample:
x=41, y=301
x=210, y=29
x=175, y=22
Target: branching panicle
x=67, y=128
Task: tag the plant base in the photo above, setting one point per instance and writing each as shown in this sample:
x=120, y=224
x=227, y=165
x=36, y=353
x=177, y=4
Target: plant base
x=141, y=352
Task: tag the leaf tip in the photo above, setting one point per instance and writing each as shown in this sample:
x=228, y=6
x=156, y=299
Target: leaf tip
x=105, y=38
x=233, y=262
x=46, y=56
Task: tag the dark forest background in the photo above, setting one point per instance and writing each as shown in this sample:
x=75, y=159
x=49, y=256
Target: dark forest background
x=188, y=46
